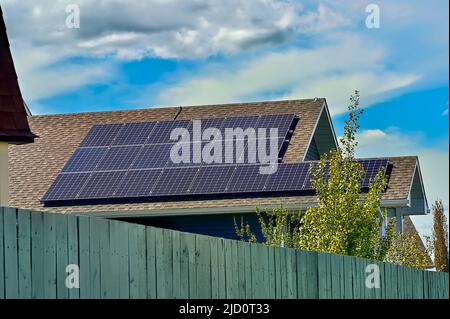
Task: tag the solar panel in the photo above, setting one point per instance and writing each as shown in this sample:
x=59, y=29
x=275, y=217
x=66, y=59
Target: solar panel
x=163, y=130
x=288, y=177
x=118, y=158
x=246, y=178
x=134, y=133
x=280, y=121
x=371, y=168
x=152, y=156
x=230, y=124
x=138, y=183
x=175, y=181
x=85, y=159
x=101, y=185
x=211, y=180
x=101, y=135
x=66, y=187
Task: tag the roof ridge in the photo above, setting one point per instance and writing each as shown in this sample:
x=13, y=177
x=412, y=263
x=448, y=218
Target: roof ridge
x=184, y=106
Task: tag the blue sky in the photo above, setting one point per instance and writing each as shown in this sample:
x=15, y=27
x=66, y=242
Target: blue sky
x=136, y=54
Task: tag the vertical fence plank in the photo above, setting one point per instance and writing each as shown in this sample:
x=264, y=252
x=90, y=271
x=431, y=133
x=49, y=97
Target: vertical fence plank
x=176, y=266
x=221, y=269
x=60, y=222
x=24, y=232
x=84, y=255
x=203, y=267
x=214, y=269
x=241, y=271
x=94, y=257
x=271, y=266
x=114, y=259
x=122, y=242
x=291, y=273
x=49, y=256
x=256, y=272
x=307, y=275
x=11, y=252
x=72, y=237
x=191, y=241
x=2, y=257
x=278, y=274
x=138, y=261
x=163, y=263
x=184, y=265
x=151, y=263
x=105, y=259
x=37, y=255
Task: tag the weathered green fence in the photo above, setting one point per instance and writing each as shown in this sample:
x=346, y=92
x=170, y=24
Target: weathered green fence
x=121, y=260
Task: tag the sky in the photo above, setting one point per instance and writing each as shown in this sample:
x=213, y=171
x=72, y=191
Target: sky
x=130, y=54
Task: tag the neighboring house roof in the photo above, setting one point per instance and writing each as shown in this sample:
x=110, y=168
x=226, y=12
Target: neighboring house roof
x=410, y=229
x=34, y=167
x=13, y=112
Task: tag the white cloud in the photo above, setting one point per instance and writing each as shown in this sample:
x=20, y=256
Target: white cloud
x=174, y=28
x=434, y=163
x=294, y=74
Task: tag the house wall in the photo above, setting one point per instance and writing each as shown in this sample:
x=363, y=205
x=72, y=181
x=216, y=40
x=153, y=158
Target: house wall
x=4, y=175
x=217, y=225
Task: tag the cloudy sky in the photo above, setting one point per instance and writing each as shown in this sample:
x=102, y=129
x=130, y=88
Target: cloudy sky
x=134, y=54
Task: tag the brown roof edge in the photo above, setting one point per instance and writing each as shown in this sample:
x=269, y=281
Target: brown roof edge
x=14, y=127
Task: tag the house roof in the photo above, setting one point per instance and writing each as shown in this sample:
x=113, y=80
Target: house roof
x=34, y=167
x=14, y=126
x=410, y=229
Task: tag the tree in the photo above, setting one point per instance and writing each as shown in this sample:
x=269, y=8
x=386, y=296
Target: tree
x=344, y=222
x=438, y=244
x=406, y=249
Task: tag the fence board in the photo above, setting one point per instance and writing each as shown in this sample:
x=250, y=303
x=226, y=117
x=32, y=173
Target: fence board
x=24, y=233
x=184, y=265
x=37, y=255
x=49, y=256
x=138, y=261
x=203, y=267
x=72, y=237
x=62, y=254
x=151, y=262
x=2, y=258
x=84, y=255
x=11, y=252
x=222, y=268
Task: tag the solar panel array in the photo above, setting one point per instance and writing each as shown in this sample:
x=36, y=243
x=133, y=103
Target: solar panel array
x=133, y=161
x=202, y=180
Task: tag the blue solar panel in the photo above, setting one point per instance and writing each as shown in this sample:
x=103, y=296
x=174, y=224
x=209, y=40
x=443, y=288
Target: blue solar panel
x=101, y=185
x=246, y=178
x=85, y=159
x=138, y=183
x=66, y=187
x=175, y=181
x=163, y=130
x=119, y=158
x=211, y=180
x=152, y=156
x=288, y=177
x=371, y=168
x=134, y=133
x=101, y=135
x=280, y=121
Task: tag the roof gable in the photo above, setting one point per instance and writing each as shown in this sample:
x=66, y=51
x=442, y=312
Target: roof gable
x=14, y=127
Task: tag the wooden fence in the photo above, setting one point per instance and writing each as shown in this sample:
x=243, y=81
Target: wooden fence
x=122, y=260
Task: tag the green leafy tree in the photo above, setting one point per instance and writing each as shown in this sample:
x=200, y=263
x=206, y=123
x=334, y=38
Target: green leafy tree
x=279, y=227
x=438, y=243
x=405, y=249
x=345, y=221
